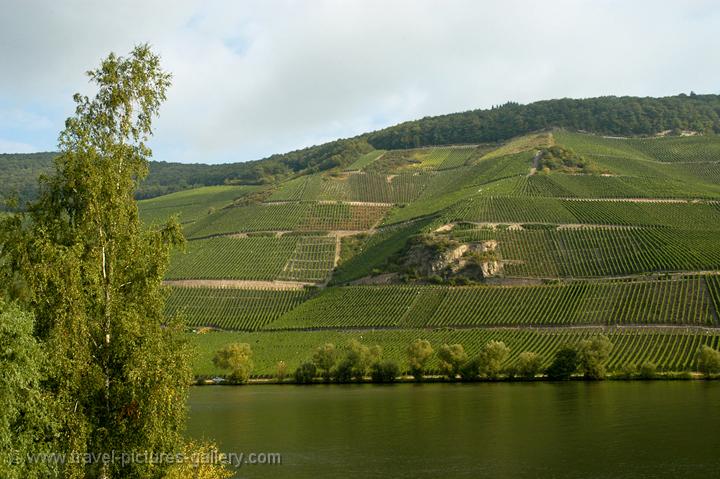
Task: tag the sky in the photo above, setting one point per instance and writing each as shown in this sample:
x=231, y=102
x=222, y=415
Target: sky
x=253, y=78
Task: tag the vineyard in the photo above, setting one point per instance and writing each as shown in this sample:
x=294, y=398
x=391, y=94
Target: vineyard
x=694, y=149
x=669, y=349
x=291, y=216
x=190, y=205
x=680, y=215
x=365, y=160
x=629, y=248
x=227, y=308
x=556, y=251
x=255, y=258
x=674, y=301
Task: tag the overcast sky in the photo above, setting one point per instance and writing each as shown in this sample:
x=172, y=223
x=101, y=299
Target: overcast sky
x=256, y=78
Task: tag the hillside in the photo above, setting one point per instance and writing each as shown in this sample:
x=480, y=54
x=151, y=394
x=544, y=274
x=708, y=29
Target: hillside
x=539, y=241
x=624, y=116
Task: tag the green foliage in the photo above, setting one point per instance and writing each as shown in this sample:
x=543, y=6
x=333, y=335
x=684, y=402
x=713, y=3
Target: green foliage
x=593, y=354
x=305, y=373
x=197, y=464
x=325, y=358
x=647, y=370
x=418, y=354
x=492, y=356
x=564, y=365
x=708, y=360
x=670, y=349
x=303, y=216
x=564, y=160
x=452, y=358
x=529, y=364
x=237, y=358
x=385, y=371
x=607, y=115
x=25, y=418
x=118, y=369
x=357, y=360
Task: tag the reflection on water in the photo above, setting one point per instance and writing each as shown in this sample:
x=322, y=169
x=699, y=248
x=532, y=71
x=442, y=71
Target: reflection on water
x=504, y=430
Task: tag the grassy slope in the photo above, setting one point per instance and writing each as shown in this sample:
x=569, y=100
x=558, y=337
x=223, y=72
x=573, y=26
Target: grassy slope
x=451, y=185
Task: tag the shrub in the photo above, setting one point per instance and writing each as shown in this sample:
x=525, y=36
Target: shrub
x=628, y=371
x=385, y=371
x=305, y=373
x=564, y=365
x=708, y=361
x=325, y=358
x=344, y=371
x=647, y=371
x=470, y=369
x=492, y=357
x=528, y=364
x=452, y=357
x=592, y=354
x=238, y=359
x=418, y=352
x=357, y=360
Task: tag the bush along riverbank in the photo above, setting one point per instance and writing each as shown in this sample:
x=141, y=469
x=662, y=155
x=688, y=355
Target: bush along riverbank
x=359, y=363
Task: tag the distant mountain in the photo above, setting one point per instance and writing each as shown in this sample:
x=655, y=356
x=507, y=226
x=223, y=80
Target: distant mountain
x=620, y=116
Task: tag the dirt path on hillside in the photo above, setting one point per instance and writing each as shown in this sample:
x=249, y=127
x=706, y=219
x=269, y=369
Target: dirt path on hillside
x=238, y=284
x=536, y=163
x=509, y=327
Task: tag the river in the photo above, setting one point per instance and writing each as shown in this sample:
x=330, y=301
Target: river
x=502, y=430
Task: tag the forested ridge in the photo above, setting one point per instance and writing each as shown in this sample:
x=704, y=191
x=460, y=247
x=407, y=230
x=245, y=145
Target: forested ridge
x=608, y=115
x=621, y=116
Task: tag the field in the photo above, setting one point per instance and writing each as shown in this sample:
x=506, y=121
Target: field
x=628, y=248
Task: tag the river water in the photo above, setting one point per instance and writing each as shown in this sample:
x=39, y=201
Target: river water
x=485, y=430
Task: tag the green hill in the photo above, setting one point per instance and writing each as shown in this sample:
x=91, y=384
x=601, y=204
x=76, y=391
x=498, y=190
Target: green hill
x=508, y=224
x=602, y=239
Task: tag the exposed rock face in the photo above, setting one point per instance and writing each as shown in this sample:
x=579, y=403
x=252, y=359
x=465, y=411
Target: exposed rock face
x=490, y=245
x=491, y=268
x=448, y=258
x=445, y=228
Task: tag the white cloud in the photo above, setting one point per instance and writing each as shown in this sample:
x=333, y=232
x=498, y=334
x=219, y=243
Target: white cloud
x=7, y=146
x=253, y=78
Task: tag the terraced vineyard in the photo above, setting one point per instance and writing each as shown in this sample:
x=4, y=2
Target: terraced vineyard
x=680, y=215
x=552, y=251
x=669, y=349
x=230, y=308
x=629, y=248
x=255, y=258
x=678, y=301
x=191, y=205
x=292, y=216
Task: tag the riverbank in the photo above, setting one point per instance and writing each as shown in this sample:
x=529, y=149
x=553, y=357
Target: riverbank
x=666, y=376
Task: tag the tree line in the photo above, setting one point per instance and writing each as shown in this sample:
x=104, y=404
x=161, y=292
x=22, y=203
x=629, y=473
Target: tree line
x=358, y=362
x=610, y=115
